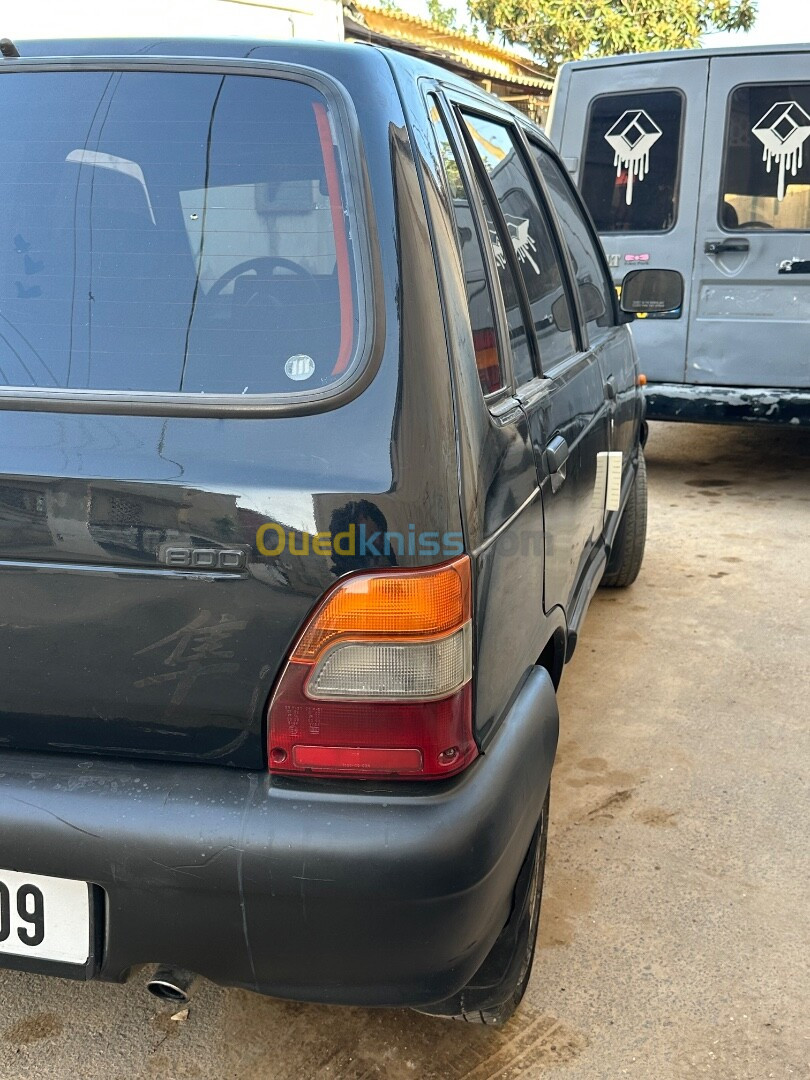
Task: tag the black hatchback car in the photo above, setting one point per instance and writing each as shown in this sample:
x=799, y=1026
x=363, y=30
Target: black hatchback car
x=320, y=426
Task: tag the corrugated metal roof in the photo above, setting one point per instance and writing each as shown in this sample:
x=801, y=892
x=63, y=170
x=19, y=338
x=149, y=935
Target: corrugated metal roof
x=482, y=57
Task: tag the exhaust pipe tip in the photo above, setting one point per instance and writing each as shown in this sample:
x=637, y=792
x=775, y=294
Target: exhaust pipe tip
x=171, y=984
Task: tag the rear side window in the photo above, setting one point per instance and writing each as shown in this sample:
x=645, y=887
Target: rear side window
x=479, y=295
x=766, y=173
x=595, y=290
x=519, y=341
x=530, y=236
x=632, y=161
x=173, y=232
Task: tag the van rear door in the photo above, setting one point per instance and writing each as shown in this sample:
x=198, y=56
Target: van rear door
x=638, y=167
x=750, y=316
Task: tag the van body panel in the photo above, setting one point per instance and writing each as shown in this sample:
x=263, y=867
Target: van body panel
x=750, y=322
x=746, y=314
x=662, y=343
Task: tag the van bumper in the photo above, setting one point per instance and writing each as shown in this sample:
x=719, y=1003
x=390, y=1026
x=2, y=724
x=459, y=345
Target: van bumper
x=365, y=893
x=727, y=404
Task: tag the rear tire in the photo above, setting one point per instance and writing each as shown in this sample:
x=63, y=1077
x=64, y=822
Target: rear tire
x=497, y=988
x=627, y=552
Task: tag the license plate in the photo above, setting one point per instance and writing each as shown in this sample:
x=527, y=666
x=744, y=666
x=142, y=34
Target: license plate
x=45, y=918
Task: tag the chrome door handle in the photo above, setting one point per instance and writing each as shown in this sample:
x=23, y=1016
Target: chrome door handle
x=556, y=454
x=556, y=458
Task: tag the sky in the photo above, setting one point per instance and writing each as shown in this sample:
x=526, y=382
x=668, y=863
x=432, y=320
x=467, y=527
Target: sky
x=779, y=21
x=23, y=19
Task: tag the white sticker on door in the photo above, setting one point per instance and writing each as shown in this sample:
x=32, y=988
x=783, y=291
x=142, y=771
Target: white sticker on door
x=632, y=137
x=783, y=131
x=607, y=488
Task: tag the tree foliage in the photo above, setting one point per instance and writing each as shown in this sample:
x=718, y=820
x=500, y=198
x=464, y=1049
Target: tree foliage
x=560, y=30
x=443, y=15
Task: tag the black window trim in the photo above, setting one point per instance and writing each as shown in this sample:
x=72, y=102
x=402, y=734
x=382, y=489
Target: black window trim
x=578, y=324
x=461, y=103
x=436, y=96
x=676, y=191
x=370, y=339
x=724, y=164
x=474, y=107
x=533, y=141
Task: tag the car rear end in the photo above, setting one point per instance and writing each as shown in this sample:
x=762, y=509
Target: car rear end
x=237, y=730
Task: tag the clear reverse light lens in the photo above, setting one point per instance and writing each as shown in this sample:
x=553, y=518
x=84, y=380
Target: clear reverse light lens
x=419, y=671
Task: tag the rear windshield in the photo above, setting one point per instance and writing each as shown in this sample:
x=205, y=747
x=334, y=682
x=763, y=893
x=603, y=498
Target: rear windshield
x=172, y=232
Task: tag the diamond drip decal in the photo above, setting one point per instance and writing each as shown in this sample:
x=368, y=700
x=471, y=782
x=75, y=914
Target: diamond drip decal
x=632, y=137
x=522, y=240
x=783, y=131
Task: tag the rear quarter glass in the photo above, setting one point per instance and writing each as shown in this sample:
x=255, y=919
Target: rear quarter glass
x=179, y=234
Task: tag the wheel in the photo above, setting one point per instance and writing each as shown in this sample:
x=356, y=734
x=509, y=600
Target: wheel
x=497, y=988
x=627, y=552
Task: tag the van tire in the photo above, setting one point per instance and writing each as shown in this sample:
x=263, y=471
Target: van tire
x=627, y=552
x=497, y=988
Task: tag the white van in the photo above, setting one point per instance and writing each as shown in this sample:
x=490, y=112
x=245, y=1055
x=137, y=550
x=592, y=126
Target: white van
x=700, y=161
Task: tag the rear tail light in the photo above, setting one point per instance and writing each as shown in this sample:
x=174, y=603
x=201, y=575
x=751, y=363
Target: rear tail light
x=378, y=683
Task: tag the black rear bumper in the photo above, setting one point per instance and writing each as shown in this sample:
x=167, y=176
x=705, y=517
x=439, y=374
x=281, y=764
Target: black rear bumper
x=360, y=894
x=696, y=404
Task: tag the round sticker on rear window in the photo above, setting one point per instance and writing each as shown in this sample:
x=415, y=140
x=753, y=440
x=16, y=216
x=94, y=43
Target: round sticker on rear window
x=300, y=367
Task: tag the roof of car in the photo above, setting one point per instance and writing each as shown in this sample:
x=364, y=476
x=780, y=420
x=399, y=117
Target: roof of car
x=688, y=54
x=317, y=53
x=207, y=47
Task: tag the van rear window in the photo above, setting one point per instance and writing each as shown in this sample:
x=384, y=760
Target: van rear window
x=632, y=161
x=173, y=232
x=766, y=175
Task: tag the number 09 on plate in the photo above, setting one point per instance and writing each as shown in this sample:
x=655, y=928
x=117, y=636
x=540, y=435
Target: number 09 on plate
x=45, y=918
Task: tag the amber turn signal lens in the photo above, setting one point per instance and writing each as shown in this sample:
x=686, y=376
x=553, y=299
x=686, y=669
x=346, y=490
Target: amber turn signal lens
x=642, y=380
x=400, y=603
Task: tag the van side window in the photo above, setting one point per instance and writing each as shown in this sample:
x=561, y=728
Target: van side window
x=766, y=173
x=632, y=161
x=479, y=293
x=530, y=234
x=595, y=289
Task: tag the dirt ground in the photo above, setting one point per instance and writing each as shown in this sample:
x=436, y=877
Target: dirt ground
x=674, y=932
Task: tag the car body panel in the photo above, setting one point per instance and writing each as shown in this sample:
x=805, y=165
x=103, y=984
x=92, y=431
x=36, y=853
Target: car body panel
x=340, y=893
x=181, y=663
